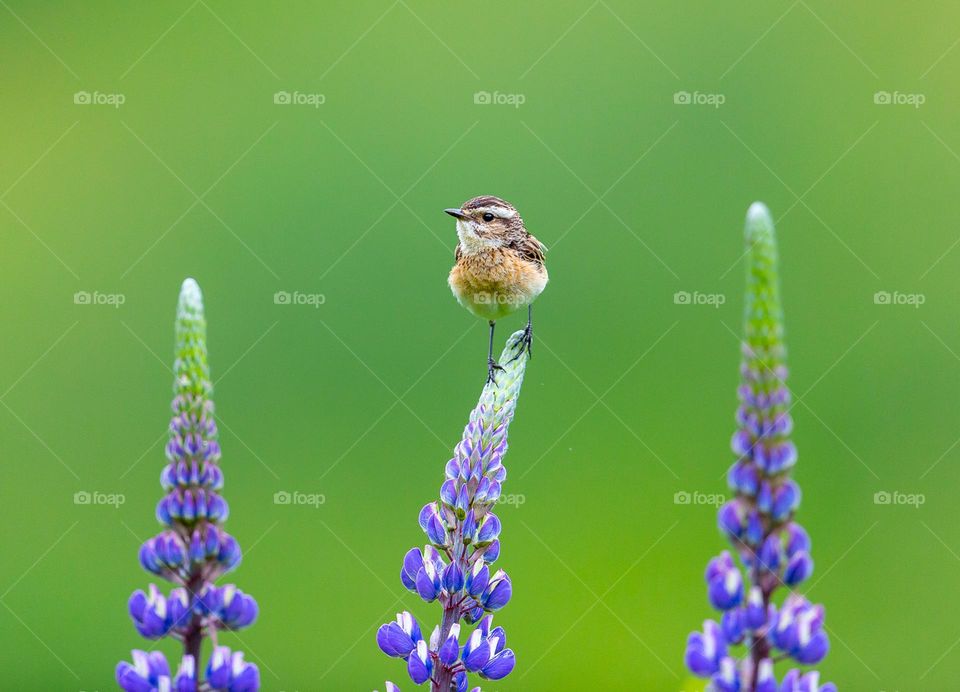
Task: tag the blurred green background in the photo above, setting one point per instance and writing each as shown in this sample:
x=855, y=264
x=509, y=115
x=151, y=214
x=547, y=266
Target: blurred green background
x=630, y=396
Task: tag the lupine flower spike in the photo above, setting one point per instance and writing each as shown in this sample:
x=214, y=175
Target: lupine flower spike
x=192, y=551
x=455, y=567
x=772, y=549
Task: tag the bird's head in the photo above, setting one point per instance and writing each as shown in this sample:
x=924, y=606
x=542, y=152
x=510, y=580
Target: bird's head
x=486, y=222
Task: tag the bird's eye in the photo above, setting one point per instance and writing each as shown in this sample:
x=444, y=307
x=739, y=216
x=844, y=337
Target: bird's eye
x=488, y=217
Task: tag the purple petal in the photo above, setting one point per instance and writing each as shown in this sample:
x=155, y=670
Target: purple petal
x=500, y=666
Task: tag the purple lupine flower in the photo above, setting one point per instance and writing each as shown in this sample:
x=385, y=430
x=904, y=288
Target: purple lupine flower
x=149, y=671
x=463, y=541
x=193, y=550
x=773, y=550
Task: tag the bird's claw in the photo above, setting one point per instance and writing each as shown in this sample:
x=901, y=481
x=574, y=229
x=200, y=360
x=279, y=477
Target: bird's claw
x=492, y=367
x=525, y=343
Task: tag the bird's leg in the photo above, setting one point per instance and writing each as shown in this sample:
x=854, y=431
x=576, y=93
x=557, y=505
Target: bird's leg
x=526, y=341
x=492, y=365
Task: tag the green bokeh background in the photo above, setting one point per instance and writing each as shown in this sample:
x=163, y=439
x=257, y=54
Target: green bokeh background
x=630, y=396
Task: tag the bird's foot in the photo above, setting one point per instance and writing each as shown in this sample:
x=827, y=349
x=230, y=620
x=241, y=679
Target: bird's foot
x=492, y=367
x=525, y=343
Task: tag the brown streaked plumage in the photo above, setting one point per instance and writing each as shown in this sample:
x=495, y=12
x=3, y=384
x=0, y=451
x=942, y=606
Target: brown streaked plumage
x=499, y=265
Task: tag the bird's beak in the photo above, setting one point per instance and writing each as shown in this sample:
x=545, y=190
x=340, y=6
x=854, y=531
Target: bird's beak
x=455, y=213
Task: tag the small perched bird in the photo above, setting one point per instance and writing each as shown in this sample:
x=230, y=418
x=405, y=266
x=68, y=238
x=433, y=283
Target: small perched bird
x=499, y=266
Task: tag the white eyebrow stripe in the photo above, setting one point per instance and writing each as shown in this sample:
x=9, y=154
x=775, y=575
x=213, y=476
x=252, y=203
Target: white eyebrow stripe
x=502, y=212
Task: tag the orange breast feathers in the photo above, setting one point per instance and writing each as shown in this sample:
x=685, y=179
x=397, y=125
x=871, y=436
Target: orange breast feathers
x=498, y=281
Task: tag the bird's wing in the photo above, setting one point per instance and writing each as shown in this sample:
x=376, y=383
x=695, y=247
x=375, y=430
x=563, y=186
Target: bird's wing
x=529, y=248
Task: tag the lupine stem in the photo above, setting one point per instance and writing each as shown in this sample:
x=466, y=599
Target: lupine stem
x=463, y=533
x=443, y=680
x=193, y=636
x=759, y=646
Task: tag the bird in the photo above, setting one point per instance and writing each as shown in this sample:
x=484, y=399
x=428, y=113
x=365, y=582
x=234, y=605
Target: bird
x=499, y=267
